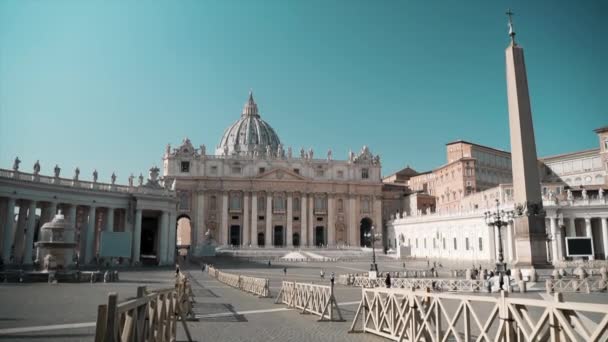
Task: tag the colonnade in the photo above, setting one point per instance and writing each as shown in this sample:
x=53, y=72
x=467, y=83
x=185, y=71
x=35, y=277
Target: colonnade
x=565, y=226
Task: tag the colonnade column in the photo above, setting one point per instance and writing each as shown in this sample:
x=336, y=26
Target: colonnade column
x=19, y=233
x=554, y=250
x=69, y=255
x=9, y=226
x=198, y=229
x=254, y=219
x=164, y=234
x=311, y=221
x=51, y=212
x=303, y=221
x=331, y=221
x=289, y=220
x=571, y=230
x=246, y=220
x=91, y=231
x=224, y=221
x=352, y=221
x=589, y=233
x=604, y=221
x=136, y=237
x=268, y=234
x=172, y=230
x=29, y=234
x=110, y=220
x=560, y=241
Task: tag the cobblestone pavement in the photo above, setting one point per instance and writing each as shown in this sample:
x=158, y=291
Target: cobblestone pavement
x=67, y=312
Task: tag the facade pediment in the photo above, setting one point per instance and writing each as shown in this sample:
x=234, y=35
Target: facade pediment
x=280, y=174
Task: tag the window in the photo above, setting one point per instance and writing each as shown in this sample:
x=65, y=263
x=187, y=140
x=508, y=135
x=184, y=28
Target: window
x=296, y=171
x=278, y=203
x=340, y=174
x=262, y=203
x=296, y=204
x=455, y=245
x=434, y=243
x=416, y=242
x=214, y=170
x=340, y=205
x=606, y=144
x=320, y=173
x=213, y=203
x=260, y=217
x=296, y=218
x=236, y=170
x=365, y=205
x=424, y=243
x=235, y=202
x=261, y=170
x=480, y=244
x=443, y=240
x=235, y=217
x=466, y=243
x=185, y=166
x=320, y=204
x=364, y=173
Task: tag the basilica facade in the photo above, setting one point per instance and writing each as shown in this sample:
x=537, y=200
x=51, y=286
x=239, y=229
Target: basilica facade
x=255, y=192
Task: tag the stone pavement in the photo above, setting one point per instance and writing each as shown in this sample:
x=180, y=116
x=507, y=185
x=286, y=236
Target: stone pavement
x=67, y=312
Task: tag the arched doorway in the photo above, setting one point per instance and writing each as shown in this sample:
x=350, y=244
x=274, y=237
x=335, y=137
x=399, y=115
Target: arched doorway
x=365, y=230
x=319, y=236
x=183, y=235
x=261, y=240
x=235, y=235
x=296, y=239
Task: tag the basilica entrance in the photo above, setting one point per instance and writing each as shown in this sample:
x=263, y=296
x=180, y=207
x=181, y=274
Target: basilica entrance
x=149, y=241
x=278, y=236
x=319, y=236
x=296, y=239
x=235, y=235
x=365, y=231
x=261, y=240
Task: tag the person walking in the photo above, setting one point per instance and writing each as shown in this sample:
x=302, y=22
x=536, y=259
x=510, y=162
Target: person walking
x=322, y=274
x=387, y=281
x=285, y=270
x=332, y=278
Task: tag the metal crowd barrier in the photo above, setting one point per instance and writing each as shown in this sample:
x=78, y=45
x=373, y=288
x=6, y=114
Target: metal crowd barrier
x=404, y=315
x=310, y=298
x=452, y=285
x=257, y=286
x=586, y=285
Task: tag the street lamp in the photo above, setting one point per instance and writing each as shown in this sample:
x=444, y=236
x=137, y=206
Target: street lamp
x=499, y=219
x=371, y=235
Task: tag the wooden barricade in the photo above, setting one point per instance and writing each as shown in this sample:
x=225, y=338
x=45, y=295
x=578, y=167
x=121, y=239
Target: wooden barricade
x=151, y=316
x=586, y=285
x=310, y=298
x=405, y=315
x=451, y=285
x=257, y=286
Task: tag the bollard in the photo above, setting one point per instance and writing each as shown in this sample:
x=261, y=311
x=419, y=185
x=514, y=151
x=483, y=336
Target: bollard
x=522, y=286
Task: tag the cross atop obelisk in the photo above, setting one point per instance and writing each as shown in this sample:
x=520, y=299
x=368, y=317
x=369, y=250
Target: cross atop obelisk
x=511, y=30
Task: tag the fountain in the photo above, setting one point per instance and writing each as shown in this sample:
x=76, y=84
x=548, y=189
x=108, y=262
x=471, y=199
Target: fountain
x=55, y=247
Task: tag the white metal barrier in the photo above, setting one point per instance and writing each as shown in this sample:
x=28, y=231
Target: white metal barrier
x=453, y=285
x=310, y=298
x=586, y=285
x=404, y=315
x=257, y=286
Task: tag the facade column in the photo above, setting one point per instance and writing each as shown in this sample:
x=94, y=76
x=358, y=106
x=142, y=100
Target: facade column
x=9, y=226
x=136, y=237
x=254, y=219
x=110, y=220
x=303, y=220
x=246, y=241
x=91, y=231
x=604, y=221
x=172, y=238
x=197, y=235
x=352, y=221
x=331, y=221
x=29, y=234
x=224, y=221
x=289, y=220
x=268, y=234
x=554, y=235
x=20, y=233
x=311, y=220
x=560, y=241
x=589, y=233
x=164, y=235
x=51, y=212
x=571, y=231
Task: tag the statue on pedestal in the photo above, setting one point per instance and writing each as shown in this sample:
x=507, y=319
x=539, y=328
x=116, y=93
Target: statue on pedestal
x=302, y=153
x=289, y=152
x=268, y=152
x=57, y=170
x=584, y=193
x=95, y=175
x=329, y=155
x=569, y=196
x=203, y=150
x=141, y=179
x=168, y=150
x=37, y=168
x=351, y=156
x=113, y=177
x=131, y=177
x=76, y=173
x=600, y=193
x=310, y=154
x=16, y=164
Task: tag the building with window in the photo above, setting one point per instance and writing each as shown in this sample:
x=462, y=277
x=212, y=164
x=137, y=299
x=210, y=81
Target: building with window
x=254, y=192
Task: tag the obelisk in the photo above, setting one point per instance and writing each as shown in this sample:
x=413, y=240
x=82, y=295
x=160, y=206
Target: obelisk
x=529, y=223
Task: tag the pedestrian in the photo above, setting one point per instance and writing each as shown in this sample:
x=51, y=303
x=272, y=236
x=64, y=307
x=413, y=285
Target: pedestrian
x=322, y=274
x=269, y=265
x=202, y=267
x=387, y=281
x=403, y=265
x=176, y=270
x=332, y=278
x=428, y=263
x=285, y=270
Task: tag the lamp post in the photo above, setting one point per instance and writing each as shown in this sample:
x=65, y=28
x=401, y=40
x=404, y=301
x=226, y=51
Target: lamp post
x=373, y=237
x=499, y=219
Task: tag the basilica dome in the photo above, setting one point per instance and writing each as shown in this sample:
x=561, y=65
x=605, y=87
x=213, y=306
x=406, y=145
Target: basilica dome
x=248, y=134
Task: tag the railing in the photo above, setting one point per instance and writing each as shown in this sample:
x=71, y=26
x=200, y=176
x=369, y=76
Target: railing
x=310, y=298
x=586, y=285
x=452, y=285
x=151, y=316
x=257, y=286
x=404, y=315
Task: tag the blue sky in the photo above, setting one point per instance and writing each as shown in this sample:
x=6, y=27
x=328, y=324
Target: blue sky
x=107, y=84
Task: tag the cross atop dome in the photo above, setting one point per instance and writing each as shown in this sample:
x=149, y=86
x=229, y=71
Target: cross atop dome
x=250, y=108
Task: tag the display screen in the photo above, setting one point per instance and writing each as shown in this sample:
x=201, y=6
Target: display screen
x=115, y=244
x=579, y=246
